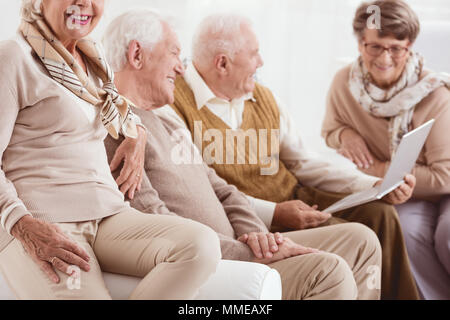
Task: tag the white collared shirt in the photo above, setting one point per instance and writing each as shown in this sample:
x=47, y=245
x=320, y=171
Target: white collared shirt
x=309, y=168
x=229, y=112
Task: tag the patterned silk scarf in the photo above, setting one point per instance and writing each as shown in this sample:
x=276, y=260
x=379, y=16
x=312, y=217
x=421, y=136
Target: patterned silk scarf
x=398, y=102
x=63, y=68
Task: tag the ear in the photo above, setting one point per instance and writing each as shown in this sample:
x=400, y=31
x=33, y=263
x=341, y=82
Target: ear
x=361, y=45
x=135, y=55
x=361, y=39
x=222, y=64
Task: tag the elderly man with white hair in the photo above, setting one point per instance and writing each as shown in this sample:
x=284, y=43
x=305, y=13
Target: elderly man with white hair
x=144, y=51
x=218, y=98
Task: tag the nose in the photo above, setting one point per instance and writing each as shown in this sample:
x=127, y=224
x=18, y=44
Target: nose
x=179, y=68
x=385, y=57
x=260, y=61
x=83, y=3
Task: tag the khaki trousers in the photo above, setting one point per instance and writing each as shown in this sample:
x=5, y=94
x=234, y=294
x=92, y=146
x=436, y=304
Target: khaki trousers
x=174, y=256
x=397, y=280
x=348, y=267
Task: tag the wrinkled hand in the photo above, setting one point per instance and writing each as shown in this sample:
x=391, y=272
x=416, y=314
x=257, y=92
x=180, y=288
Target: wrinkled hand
x=49, y=247
x=297, y=215
x=403, y=193
x=354, y=148
x=286, y=250
x=132, y=153
x=262, y=244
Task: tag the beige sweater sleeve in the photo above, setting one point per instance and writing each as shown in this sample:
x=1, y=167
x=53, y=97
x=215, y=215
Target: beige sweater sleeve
x=236, y=205
x=333, y=123
x=241, y=216
x=12, y=208
x=433, y=167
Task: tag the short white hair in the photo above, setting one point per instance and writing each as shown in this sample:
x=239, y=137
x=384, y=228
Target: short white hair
x=31, y=10
x=218, y=34
x=143, y=25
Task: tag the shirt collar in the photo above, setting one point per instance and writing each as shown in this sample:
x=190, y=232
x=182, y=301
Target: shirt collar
x=202, y=92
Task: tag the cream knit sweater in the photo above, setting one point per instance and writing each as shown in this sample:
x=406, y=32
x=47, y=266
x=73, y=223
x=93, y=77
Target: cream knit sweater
x=53, y=161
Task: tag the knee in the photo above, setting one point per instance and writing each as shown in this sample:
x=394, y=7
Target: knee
x=201, y=246
x=342, y=273
x=365, y=239
x=338, y=276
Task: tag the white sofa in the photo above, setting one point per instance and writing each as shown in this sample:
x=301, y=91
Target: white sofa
x=233, y=280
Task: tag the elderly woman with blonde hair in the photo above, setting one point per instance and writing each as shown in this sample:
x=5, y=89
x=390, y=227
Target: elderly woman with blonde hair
x=62, y=213
x=372, y=103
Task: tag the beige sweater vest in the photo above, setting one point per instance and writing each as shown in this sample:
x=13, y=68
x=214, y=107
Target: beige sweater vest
x=247, y=158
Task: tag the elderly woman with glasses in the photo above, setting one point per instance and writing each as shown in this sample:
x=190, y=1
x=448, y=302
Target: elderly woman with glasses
x=372, y=103
x=63, y=217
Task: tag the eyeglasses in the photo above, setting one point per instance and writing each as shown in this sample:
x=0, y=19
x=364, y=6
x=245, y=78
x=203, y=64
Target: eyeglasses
x=376, y=50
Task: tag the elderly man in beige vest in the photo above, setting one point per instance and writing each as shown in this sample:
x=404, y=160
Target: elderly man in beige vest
x=218, y=98
x=335, y=262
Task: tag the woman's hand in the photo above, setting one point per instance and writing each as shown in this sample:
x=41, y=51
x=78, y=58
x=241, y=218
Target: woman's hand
x=263, y=245
x=355, y=148
x=49, y=247
x=403, y=193
x=132, y=153
x=286, y=250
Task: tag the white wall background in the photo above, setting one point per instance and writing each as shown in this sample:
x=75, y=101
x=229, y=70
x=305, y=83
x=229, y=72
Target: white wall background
x=303, y=42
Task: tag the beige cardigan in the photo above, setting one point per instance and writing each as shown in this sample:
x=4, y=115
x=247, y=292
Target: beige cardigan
x=433, y=166
x=53, y=161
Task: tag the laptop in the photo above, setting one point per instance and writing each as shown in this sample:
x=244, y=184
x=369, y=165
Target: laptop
x=402, y=163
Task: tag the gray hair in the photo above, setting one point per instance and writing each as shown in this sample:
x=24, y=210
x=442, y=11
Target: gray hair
x=143, y=25
x=397, y=19
x=216, y=34
x=31, y=10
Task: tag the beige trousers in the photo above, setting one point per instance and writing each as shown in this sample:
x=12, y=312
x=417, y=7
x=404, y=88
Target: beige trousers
x=397, y=280
x=348, y=268
x=174, y=256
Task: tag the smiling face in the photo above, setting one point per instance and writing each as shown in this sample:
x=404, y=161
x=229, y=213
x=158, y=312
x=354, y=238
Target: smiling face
x=243, y=66
x=384, y=69
x=161, y=67
x=72, y=20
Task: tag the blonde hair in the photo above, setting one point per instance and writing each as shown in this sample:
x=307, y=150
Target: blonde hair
x=397, y=19
x=31, y=10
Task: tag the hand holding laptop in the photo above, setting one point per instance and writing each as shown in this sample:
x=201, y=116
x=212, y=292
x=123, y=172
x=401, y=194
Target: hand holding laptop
x=402, y=193
x=402, y=163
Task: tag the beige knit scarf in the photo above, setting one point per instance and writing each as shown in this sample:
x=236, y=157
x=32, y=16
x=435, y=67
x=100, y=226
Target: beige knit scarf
x=398, y=102
x=116, y=114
